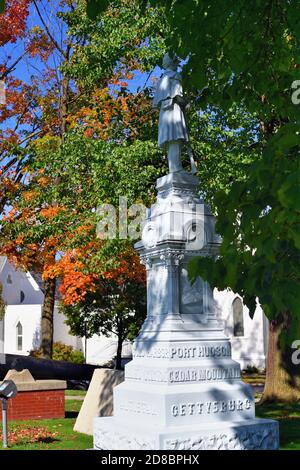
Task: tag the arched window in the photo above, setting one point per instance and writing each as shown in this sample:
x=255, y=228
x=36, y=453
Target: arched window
x=238, y=317
x=9, y=279
x=22, y=296
x=19, y=329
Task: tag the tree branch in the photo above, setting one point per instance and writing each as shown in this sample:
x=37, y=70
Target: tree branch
x=52, y=39
x=12, y=66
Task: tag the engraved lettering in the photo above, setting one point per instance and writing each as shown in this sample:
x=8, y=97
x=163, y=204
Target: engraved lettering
x=215, y=407
x=209, y=407
x=183, y=352
x=138, y=407
x=247, y=404
x=200, y=408
x=231, y=405
x=224, y=406
x=191, y=407
x=239, y=405
x=194, y=375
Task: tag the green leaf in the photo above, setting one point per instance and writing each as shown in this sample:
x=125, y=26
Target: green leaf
x=95, y=7
x=295, y=234
x=289, y=193
x=193, y=269
x=2, y=6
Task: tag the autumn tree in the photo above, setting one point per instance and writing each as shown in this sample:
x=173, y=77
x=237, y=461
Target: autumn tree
x=111, y=302
x=43, y=110
x=87, y=266
x=32, y=110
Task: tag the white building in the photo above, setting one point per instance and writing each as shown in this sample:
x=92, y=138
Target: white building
x=20, y=328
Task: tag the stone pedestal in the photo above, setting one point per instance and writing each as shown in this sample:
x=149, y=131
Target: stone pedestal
x=182, y=389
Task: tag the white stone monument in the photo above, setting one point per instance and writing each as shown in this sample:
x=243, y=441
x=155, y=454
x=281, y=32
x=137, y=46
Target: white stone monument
x=182, y=390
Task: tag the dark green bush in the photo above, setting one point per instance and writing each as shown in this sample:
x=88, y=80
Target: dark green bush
x=62, y=352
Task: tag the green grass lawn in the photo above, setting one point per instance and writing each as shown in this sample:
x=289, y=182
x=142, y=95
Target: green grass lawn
x=58, y=434
x=49, y=434
x=254, y=378
x=75, y=393
x=289, y=423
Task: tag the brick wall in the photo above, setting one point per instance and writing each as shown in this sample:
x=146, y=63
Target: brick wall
x=39, y=404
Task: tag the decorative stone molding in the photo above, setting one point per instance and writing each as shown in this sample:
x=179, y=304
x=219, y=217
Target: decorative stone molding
x=106, y=440
x=146, y=261
x=264, y=439
x=257, y=435
x=172, y=258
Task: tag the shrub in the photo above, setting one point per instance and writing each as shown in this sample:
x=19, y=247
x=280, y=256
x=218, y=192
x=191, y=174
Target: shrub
x=77, y=357
x=251, y=369
x=62, y=352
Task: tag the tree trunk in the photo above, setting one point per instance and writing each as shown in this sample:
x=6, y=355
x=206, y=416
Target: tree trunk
x=47, y=318
x=118, y=365
x=282, y=377
x=64, y=103
x=64, y=108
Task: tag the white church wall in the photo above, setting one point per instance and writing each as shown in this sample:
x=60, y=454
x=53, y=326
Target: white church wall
x=14, y=282
x=249, y=349
x=101, y=349
x=61, y=330
x=29, y=317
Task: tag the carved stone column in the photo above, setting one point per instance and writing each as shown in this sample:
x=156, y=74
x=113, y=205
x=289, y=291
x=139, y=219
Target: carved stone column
x=172, y=261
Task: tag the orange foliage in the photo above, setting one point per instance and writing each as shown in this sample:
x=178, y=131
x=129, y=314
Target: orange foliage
x=109, y=106
x=43, y=181
x=40, y=44
x=18, y=96
x=49, y=212
x=30, y=195
x=76, y=283
x=128, y=268
x=13, y=20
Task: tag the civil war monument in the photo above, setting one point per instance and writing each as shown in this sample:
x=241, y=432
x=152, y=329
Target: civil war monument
x=182, y=390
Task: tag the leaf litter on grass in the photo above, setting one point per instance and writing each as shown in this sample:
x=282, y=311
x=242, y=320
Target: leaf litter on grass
x=31, y=434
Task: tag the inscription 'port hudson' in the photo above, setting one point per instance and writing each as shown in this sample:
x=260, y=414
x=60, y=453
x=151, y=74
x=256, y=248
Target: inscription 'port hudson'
x=183, y=352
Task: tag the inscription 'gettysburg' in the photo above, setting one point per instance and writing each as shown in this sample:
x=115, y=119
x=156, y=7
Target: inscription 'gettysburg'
x=208, y=407
x=184, y=352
